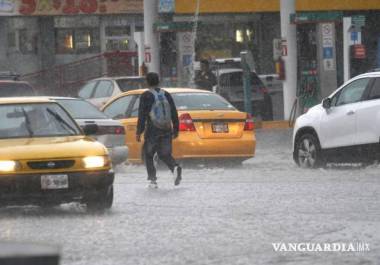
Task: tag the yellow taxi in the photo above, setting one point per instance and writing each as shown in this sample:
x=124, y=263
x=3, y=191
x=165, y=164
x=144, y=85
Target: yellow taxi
x=45, y=158
x=210, y=127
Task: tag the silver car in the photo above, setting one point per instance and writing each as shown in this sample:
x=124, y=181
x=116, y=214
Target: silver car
x=110, y=132
x=98, y=91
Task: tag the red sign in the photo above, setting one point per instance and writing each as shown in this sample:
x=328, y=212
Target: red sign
x=73, y=7
x=358, y=51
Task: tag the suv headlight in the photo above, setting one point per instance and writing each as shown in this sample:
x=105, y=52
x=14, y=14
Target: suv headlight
x=8, y=165
x=94, y=161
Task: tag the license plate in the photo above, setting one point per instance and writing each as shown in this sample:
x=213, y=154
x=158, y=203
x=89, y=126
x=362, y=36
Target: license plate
x=52, y=182
x=219, y=127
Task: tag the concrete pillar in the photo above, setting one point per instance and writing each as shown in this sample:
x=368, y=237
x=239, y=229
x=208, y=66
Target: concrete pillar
x=151, y=38
x=346, y=48
x=288, y=32
x=47, y=42
x=326, y=58
x=3, y=44
x=139, y=39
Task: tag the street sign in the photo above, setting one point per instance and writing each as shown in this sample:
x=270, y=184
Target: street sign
x=166, y=6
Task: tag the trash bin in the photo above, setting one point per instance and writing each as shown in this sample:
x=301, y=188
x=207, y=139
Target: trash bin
x=28, y=254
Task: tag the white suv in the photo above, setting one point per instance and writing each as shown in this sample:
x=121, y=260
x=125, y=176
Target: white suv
x=344, y=127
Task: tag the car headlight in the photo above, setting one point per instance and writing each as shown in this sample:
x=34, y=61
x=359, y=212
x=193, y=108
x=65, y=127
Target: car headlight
x=94, y=161
x=7, y=165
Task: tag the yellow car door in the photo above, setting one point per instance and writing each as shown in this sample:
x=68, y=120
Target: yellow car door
x=125, y=109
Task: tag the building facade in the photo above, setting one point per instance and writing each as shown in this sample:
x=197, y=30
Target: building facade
x=40, y=34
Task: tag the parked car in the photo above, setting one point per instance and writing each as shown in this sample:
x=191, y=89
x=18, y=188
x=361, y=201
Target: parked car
x=344, y=127
x=98, y=91
x=230, y=86
x=210, y=127
x=45, y=158
x=110, y=132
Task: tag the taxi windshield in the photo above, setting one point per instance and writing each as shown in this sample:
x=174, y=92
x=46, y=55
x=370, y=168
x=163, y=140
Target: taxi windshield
x=35, y=120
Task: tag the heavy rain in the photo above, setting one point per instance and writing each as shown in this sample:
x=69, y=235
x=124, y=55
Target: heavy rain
x=189, y=132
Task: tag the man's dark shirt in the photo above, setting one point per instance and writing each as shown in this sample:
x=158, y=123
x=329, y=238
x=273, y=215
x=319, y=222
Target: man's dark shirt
x=144, y=122
x=205, y=80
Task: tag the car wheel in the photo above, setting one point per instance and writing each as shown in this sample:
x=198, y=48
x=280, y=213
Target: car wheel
x=308, y=152
x=102, y=201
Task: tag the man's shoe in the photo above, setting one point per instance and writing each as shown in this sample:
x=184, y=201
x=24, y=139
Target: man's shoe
x=178, y=175
x=153, y=184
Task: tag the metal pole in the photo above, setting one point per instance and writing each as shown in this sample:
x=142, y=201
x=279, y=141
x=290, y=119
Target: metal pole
x=288, y=32
x=246, y=82
x=152, y=56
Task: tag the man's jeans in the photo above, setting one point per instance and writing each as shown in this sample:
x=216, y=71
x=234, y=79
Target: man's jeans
x=162, y=144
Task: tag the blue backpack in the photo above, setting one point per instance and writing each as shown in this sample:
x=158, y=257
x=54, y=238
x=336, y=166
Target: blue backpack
x=160, y=114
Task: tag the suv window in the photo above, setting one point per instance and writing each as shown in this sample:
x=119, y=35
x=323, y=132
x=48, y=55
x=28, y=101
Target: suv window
x=10, y=89
x=129, y=84
x=235, y=80
x=353, y=92
x=375, y=91
x=87, y=90
x=103, y=89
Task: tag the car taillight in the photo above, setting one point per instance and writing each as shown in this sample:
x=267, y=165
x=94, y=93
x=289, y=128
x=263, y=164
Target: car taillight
x=249, y=125
x=119, y=130
x=186, y=123
x=103, y=130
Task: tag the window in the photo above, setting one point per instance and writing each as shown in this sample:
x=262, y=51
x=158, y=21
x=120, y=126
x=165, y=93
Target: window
x=129, y=84
x=86, y=41
x=103, y=89
x=135, y=109
x=34, y=120
x=117, y=38
x=118, y=108
x=81, y=40
x=27, y=42
x=353, y=92
x=11, y=40
x=80, y=109
x=87, y=91
x=375, y=91
x=64, y=41
x=15, y=89
x=200, y=101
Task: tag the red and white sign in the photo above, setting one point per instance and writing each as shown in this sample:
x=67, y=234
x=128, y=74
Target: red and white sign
x=68, y=7
x=358, y=51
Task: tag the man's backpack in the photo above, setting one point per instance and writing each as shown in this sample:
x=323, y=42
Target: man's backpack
x=160, y=113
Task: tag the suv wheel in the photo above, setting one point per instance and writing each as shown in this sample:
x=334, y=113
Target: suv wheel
x=308, y=152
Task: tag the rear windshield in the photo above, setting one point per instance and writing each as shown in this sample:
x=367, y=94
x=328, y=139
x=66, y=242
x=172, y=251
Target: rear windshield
x=130, y=84
x=80, y=109
x=15, y=90
x=200, y=101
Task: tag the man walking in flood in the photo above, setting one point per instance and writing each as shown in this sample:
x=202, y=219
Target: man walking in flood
x=158, y=120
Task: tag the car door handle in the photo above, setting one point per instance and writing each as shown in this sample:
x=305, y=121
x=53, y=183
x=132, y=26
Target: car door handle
x=351, y=112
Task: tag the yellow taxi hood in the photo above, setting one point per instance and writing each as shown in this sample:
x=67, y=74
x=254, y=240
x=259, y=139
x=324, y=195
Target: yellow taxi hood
x=49, y=147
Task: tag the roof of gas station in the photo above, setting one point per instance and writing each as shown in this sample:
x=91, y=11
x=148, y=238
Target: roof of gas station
x=249, y=6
